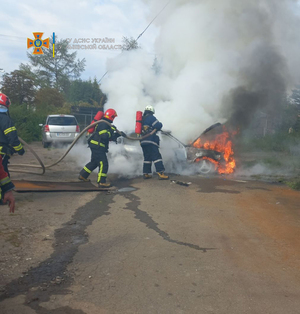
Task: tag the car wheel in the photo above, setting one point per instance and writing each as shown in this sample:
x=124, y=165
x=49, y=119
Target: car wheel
x=45, y=144
x=205, y=166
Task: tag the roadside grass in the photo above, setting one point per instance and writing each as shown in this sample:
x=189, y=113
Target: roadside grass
x=294, y=184
x=277, y=154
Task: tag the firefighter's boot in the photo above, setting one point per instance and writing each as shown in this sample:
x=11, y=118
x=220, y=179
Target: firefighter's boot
x=147, y=176
x=104, y=185
x=81, y=178
x=162, y=176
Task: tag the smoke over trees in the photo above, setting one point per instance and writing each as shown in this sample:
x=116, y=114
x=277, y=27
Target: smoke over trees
x=219, y=60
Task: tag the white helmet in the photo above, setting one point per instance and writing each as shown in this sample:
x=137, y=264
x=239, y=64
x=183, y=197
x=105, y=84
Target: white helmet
x=150, y=108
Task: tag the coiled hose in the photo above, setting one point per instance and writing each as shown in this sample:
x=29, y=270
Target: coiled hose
x=44, y=167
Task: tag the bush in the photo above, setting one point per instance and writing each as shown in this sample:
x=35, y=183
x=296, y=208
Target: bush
x=278, y=142
x=27, y=122
x=295, y=184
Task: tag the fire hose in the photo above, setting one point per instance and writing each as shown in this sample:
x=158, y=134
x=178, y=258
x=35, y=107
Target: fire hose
x=44, y=167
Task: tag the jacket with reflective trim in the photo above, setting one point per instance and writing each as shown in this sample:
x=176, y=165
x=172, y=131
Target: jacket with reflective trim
x=5, y=183
x=9, y=141
x=102, y=135
x=150, y=123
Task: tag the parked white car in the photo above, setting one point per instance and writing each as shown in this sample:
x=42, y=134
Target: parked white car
x=59, y=129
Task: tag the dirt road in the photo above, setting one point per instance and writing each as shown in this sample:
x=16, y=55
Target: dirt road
x=220, y=245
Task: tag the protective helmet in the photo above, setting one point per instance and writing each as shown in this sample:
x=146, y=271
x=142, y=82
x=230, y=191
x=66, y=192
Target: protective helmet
x=4, y=102
x=110, y=114
x=150, y=108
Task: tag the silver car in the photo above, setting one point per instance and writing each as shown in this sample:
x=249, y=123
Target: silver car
x=59, y=129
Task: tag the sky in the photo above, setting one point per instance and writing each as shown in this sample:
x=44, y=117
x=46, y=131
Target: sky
x=73, y=19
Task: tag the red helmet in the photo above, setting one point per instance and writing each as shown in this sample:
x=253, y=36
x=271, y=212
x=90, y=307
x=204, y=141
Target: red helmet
x=4, y=100
x=110, y=114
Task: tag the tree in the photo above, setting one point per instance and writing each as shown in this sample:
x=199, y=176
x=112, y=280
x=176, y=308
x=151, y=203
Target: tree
x=295, y=97
x=20, y=85
x=129, y=44
x=47, y=98
x=86, y=92
x=58, y=71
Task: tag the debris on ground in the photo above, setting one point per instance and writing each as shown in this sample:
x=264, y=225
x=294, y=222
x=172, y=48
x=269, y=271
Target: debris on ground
x=181, y=183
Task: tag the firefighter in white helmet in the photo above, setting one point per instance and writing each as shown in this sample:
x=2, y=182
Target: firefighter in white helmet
x=150, y=145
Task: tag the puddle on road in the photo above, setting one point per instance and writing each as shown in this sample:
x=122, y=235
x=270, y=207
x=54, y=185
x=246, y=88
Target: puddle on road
x=127, y=189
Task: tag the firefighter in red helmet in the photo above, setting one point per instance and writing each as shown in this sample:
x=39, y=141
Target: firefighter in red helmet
x=98, y=143
x=9, y=141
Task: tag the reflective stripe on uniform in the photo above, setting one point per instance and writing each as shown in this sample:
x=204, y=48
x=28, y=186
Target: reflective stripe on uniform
x=154, y=122
x=87, y=170
x=97, y=143
x=3, y=153
x=100, y=174
x=158, y=160
x=105, y=131
x=13, y=128
x=147, y=162
x=17, y=148
x=5, y=181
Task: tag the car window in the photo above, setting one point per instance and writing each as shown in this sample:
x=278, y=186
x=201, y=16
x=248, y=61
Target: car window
x=62, y=121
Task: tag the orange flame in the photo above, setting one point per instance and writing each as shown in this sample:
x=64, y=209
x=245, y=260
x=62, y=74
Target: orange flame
x=222, y=144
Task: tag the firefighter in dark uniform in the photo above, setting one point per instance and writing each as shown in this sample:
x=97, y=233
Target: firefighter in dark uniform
x=150, y=145
x=9, y=141
x=98, y=143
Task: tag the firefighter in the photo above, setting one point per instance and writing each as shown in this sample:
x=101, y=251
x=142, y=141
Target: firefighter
x=9, y=141
x=98, y=143
x=6, y=186
x=150, y=145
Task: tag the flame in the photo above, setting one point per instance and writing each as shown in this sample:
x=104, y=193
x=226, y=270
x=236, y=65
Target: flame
x=221, y=143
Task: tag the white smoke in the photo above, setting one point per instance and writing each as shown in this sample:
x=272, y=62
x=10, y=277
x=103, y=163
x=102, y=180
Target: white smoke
x=204, y=50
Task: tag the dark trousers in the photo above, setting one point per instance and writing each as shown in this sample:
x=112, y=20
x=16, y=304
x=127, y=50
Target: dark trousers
x=98, y=159
x=152, y=154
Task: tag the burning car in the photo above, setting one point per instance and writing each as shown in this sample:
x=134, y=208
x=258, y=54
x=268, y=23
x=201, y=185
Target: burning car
x=211, y=152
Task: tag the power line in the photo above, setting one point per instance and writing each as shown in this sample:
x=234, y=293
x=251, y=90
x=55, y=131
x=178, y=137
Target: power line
x=140, y=35
x=152, y=21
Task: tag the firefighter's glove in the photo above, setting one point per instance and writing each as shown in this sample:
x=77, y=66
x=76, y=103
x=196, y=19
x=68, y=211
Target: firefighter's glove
x=21, y=152
x=123, y=134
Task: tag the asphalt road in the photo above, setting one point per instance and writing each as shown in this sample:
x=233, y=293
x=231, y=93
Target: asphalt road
x=219, y=245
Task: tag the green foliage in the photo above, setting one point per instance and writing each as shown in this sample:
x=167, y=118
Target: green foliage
x=19, y=85
x=294, y=184
x=47, y=97
x=58, y=71
x=65, y=109
x=27, y=122
x=295, y=97
x=289, y=117
x=85, y=92
x=278, y=142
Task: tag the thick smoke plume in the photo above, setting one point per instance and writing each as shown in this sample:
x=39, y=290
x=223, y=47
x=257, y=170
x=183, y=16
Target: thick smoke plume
x=215, y=61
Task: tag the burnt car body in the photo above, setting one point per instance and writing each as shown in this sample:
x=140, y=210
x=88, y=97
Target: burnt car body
x=207, y=160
